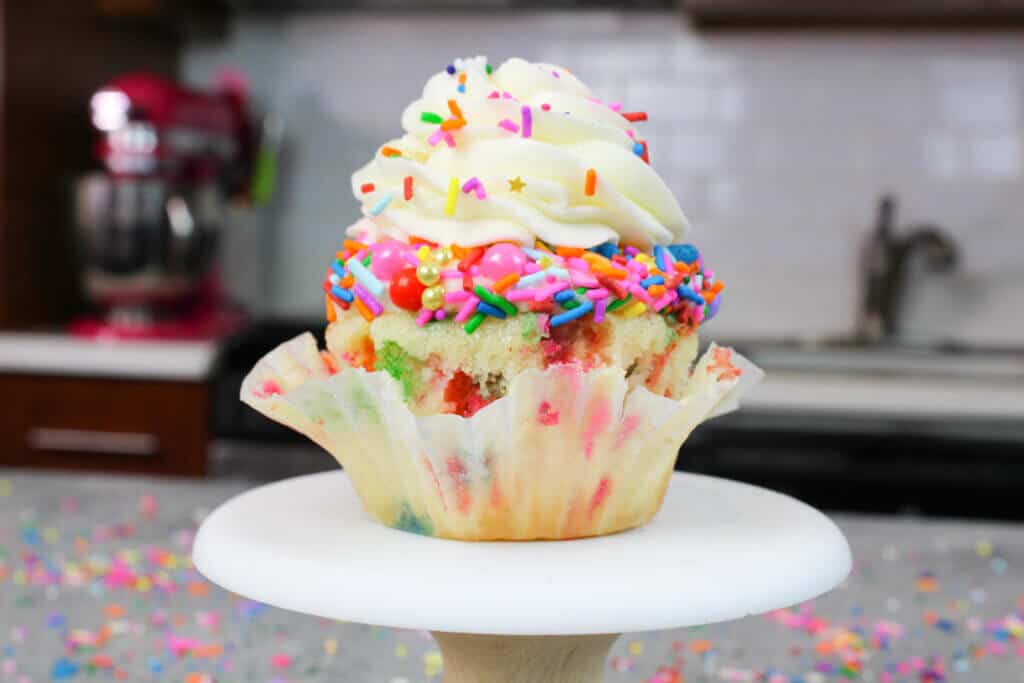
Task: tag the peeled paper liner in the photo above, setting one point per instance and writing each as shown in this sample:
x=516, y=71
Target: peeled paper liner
x=565, y=453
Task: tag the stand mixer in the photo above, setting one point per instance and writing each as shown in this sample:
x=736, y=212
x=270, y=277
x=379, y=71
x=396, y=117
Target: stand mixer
x=148, y=224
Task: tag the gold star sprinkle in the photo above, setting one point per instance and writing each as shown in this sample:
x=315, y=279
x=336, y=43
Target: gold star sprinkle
x=516, y=184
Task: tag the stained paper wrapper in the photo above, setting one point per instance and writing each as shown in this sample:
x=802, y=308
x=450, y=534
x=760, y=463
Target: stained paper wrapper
x=565, y=453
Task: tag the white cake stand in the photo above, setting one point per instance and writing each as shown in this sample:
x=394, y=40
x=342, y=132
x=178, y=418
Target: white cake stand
x=524, y=612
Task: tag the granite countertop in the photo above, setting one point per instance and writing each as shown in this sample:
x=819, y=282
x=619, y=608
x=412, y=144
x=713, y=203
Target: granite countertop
x=95, y=576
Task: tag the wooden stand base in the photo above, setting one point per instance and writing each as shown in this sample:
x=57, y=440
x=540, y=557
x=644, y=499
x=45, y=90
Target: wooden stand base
x=523, y=659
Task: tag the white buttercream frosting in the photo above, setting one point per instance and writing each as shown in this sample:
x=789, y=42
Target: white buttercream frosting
x=531, y=186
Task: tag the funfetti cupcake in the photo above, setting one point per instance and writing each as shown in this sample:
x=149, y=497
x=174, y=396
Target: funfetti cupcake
x=512, y=338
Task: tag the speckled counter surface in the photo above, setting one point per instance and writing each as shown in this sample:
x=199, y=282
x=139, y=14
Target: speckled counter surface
x=96, y=584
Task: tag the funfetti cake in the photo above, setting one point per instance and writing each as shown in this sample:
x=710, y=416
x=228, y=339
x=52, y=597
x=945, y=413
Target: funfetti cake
x=512, y=338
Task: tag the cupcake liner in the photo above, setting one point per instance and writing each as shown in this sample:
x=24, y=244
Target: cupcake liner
x=565, y=453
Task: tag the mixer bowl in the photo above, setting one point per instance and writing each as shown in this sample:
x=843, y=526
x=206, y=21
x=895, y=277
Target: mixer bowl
x=144, y=244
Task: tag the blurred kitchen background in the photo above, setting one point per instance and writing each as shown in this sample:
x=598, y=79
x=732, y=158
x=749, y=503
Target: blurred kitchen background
x=853, y=170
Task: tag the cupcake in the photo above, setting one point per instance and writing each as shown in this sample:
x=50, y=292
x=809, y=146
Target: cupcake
x=512, y=339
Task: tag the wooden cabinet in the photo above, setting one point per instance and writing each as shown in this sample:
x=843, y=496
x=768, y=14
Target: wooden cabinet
x=89, y=423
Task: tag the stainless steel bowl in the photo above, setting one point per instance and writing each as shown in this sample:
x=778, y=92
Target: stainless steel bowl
x=143, y=243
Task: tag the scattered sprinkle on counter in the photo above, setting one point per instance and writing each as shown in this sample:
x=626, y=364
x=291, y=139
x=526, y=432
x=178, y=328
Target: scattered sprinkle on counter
x=93, y=587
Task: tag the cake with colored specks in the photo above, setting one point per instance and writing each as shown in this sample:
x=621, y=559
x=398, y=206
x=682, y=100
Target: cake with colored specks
x=512, y=348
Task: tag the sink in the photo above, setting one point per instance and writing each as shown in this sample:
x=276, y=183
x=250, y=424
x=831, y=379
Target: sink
x=889, y=360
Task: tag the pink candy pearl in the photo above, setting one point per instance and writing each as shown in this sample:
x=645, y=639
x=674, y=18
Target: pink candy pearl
x=502, y=259
x=388, y=258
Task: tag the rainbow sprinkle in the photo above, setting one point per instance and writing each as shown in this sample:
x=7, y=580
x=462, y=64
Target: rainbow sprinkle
x=484, y=307
x=381, y=204
x=453, y=196
x=364, y=276
x=368, y=299
x=364, y=311
x=342, y=294
x=577, y=312
x=565, y=283
x=474, y=185
x=453, y=107
x=474, y=323
x=468, y=308
x=495, y=300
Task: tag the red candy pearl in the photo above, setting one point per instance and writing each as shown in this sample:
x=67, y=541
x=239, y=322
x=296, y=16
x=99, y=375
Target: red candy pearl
x=406, y=290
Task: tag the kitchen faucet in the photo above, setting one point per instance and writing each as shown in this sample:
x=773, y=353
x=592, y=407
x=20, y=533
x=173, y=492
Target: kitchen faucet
x=884, y=270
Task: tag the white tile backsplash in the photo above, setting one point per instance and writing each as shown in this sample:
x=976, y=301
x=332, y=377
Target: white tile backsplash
x=777, y=144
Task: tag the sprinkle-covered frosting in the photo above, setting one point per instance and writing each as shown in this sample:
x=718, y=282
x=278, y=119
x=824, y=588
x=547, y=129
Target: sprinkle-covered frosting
x=469, y=285
x=517, y=153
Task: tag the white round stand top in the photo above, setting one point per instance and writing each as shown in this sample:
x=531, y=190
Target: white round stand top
x=717, y=550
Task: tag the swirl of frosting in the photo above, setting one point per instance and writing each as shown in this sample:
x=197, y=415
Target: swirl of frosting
x=516, y=153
